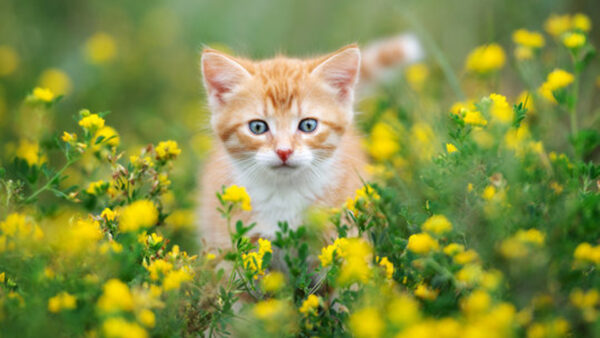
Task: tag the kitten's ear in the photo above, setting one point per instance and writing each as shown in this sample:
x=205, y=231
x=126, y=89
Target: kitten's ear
x=340, y=71
x=221, y=74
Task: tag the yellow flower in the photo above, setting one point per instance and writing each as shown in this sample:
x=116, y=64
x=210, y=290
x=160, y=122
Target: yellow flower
x=269, y=309
x=115, y=297
x=466, y=257
x=108, y=214
x=158, y=268
x=500, y=110
x=62, y=301
x=100, y=48
x=518, y=245
x=582, y=299
x=30, y=152
x=253, y=261
x=453, y=249
x=574, y=40
x=477, y=302
x=355, y=265
x=585, y=252
x=110, y=137
x=422, y=140
x=92, y=122
x=174, y=279
x=582, y=22
x=55, y=80
x=97, y=187
x=19, y=226
x=117, y=327
x=437, y=224
x=9, y=60
x=327, y=253
x=416, y=74
x=137, y=215
x=403, y=310
x=474, y=118
x=310, y=305
x=488, y=193
x=523, y=53
x=167, y=150
x=43, y=94
x=389, y=267
x=383, y=142
x=422, y=243
x=273, y=282
x=365, y=193
x=147, y=318
x=451, y=148
x=425, y=292
x=556, y=25
x=531, y=236
x=485, y=59
x=69, y=138
x=366, y=323
x=527, y=99
x=527, y=38
x=235, y=194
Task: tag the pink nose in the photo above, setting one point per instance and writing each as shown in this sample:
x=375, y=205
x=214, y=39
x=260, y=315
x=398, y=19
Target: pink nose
x=284, y=154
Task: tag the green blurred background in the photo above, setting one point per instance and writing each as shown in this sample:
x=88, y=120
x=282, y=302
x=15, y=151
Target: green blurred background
x=149, y=77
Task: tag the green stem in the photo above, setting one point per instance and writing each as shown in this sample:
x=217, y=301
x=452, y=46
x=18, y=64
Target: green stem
x=49, y=183
x=573, y=108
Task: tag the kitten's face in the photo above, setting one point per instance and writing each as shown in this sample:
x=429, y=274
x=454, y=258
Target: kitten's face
x=281, y=116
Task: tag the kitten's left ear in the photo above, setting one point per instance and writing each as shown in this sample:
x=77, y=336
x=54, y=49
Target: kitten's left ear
x=340, y=71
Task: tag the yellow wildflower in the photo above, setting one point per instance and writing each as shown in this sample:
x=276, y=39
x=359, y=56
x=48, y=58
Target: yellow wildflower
x=489, y=192
x=167, y=150
x=273, y=282
x=158, y=268
x=556, y=25
x=474, y=118
x=137, y=215
x=477, y=302
x=527, y=38
x=585, y=252
x=108, y=214
x=62, y=301
x=115, y=297
x=527, y=99
x=269, y=309
x=437, y=224
x=56, y=80
x=423, y=291
x=30, y=152
x=383, y=142
x=174, y=279
x=366, y=323
x=43, y=94
x=466, y=257
x=523, y=53
x=117, y=327
x=451, y=148
x=574, y=40
x=69, y=138
x=500, y=110
x=582, y=22
x=147, y=318
x=92, y=122
x=423, y=139
x=422, y=243
x=9, y=60
x=110, y=137
x=327, y=253
x=310, y=305
x=453, y=249
x=363, y=194
x=235, y=194
x=18, y=225
x=97, y=187
x=389, y=267
x=403, y=309
x=100, y=48
x=485, y=59
x=416, y=74
x=531, y=236
x=253, y=261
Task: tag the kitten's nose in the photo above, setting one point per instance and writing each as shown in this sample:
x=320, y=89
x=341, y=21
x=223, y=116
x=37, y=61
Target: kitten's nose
x=284, y=154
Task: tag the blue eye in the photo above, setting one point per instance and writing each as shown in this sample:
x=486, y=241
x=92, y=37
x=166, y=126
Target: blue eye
x=307, y=125
x=258, y=127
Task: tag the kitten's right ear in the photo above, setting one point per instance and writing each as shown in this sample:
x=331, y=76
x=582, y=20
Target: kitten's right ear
x=221, y=75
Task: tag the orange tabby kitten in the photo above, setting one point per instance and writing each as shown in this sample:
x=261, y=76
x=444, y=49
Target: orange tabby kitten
x=284, y=130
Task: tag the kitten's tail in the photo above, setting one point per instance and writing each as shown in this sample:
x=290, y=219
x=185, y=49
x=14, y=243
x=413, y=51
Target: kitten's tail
x=384, y=56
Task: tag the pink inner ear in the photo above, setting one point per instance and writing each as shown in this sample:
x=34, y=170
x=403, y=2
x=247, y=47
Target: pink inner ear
x=341, y=71
x=221, y=74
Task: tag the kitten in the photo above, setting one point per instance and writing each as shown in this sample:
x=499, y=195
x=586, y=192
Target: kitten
x=284, y=130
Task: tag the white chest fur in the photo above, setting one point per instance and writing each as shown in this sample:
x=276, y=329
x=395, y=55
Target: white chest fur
x=284, y=196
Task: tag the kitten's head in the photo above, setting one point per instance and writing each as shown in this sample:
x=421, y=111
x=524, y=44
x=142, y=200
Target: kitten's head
x=281, y=116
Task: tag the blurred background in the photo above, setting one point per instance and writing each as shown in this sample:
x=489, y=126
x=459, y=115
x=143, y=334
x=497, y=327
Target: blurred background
x=139, y=59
